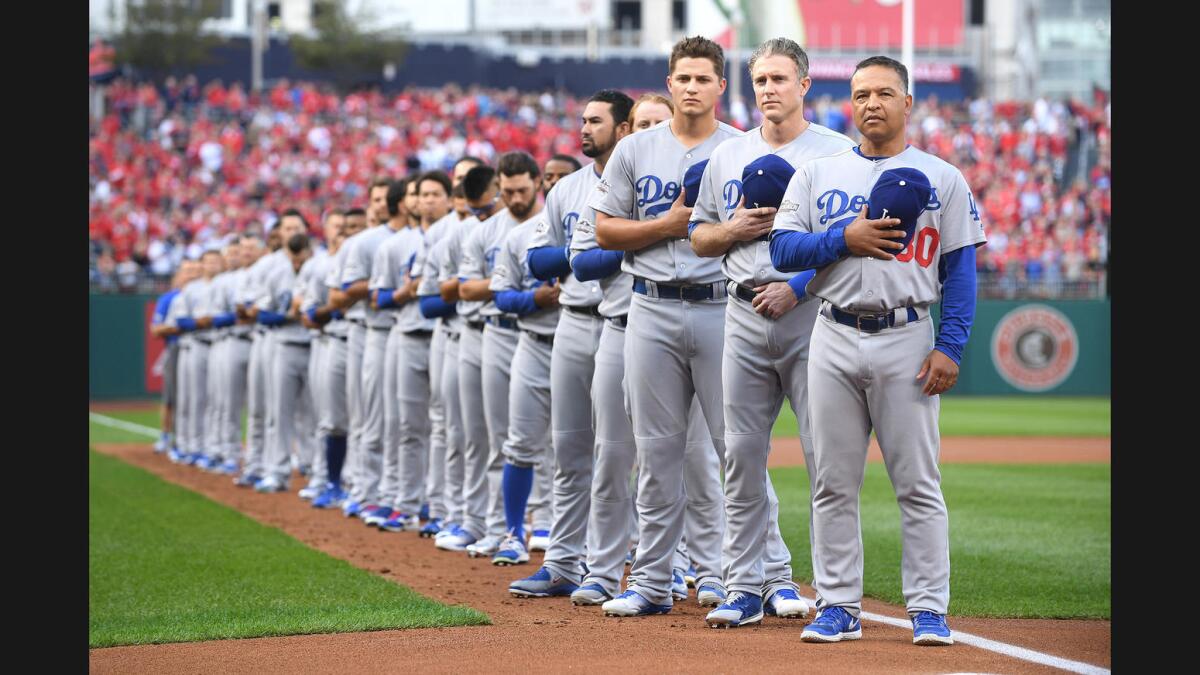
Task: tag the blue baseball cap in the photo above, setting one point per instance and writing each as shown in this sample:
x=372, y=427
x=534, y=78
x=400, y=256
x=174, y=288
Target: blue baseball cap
x=900, y=193
x=691, y=183
x=765, y=180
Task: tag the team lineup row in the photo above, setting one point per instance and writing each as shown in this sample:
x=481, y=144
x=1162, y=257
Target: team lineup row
x=463, y=358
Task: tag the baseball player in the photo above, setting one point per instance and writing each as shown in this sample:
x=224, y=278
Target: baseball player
x=310, y=293
x=219, y=355
x=356, y=278
x=395, y=276
x=445, y=427
x=257, y=366
x=334, y=422
x=557, y=167
x=572, y=357
x=527, y=449
x=289, y=352
x=768, y=319
x=486, y=348
x=163, y=325
x=350, y=301
x=236, y=347
x=672, y=351
x=612, y=519
x=876, y=361
x=193, y=317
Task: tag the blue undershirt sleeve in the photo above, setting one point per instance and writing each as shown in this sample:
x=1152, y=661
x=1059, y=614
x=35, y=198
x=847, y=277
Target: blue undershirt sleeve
x=956, y=271
x=793, y=251
x=548, y=262
x=596, y=263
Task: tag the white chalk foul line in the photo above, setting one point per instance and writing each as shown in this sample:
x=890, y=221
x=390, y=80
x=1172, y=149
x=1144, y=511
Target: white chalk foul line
x=959, y=636
x=994, y=646
x=122, y=424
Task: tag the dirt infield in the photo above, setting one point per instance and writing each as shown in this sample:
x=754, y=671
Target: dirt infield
x=550, y=634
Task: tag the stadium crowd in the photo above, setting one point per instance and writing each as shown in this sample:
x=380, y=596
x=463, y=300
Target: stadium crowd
x=176, y=168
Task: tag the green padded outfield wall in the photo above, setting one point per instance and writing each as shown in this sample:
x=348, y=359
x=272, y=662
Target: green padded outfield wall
x=1016, y=347
x=117, y=346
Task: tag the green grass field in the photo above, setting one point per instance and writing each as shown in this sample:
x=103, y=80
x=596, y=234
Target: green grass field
x=153, y=580
x=1008, y=416
x=1030, y=541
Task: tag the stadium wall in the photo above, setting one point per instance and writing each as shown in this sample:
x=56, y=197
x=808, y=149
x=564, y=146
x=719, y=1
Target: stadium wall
x=1016, y=347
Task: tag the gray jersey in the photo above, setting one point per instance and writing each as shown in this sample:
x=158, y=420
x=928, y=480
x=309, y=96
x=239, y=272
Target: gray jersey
x=215, y=302
x=830, y=192
x=616, y=287
x=278, y=287
x=309, y=289
x=479, y=252
x=566, y=206
x=232, y=295
x=511, y=273
x=448, y=260
x=332, y=279
x=400, y=258
x=642, y=179
x=195, y=297
x=749, y=262
x=359, y=260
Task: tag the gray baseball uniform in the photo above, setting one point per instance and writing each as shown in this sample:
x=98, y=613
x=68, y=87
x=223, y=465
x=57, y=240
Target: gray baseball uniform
x=333, y=419
x=311, y=290
x=257, y=370
x=435, y=475
x=528, y=441
x=236, y=347
x=214, y=369
x=288, y=372
x=365, y=367
x=176, y=310
x=612, y=518
x=485, y=360
x=673, y=346
x=764, y=360
x=572, y=366
x=406, y=380
x=859, y=381
x=196, y=305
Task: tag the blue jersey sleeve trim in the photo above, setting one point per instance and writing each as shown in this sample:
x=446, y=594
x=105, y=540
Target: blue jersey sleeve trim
x=801, y=280
x=385, y=298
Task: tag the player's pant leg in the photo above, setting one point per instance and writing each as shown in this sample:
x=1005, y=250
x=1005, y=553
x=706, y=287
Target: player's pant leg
x=370, y=464
x=541, y=497
x=389, y=481
x=183, y=395
x=255, y=407
x=414, y=420
x=169, y=394
x=453, y=495
x=841, y=427
x=528, y=438
x=317, y=398
x=906, y=423
x=306, y=423
x=289, y=368
x=572, y=366
x=435, y=474
x=704, y=514
x=356, y=341
x=336, y=420
x=615, y=454
x=199, y=413
x=474, y=429
x=499, y=347
x=237, y=369
x=212, y=410
x=658, y=377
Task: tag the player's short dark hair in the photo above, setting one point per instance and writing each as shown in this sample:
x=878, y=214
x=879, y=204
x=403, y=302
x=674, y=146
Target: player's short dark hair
x=208, y=251
x=516, y=163
x=619, y=103
x=781, y=46
x=382, y=182
x=886, y=62
x=469, y=158
x=566, y=158
x=457, y=192
x=250, y=235
x=395, y=194
x=477, y=181
x=698, y=47
x=297, y=243
x=296, y=213
x=438, y=177
x=356, y=211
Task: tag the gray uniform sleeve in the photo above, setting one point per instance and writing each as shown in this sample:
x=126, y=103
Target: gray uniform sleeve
x=794, y=212
x=960, y=223
x=429, y=270
x=583, y=239
x=470, y=265
x=510, y=269
x=383, y=268
x=614, y=194
x=550, y=231
x=355, y=267
x=177, y=309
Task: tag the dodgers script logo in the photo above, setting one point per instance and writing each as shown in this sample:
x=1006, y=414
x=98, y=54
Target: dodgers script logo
x=490, y=256
x=568, y=223
x=650, y=189
x=732, y=194
x=836, y=204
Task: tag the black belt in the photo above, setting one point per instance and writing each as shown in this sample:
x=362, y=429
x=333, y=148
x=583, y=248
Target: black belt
x=689, y=292
x=305, y=345
x=475, y=325
x=343, y=338
x=380, y=327
x=619, y=321
x=594, y=310
x=870, y=323
x=242, y=336
x=358, y=322
x=544, y=339
x=203, y=341
x=451, y=335
x=419, y=332
x=501, y=322
x=744, y=292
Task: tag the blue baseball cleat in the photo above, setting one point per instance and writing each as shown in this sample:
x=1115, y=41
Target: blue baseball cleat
x=331, y=498
x=423, y=514
x=679, y=587
x=542, y=584
x=351, y=509
x=833, y=624
x=709, y=594
x=431, y=528
x=931, y=629
x=631, y=603
x=786, y=603
x=740, y=609
x=590, y=594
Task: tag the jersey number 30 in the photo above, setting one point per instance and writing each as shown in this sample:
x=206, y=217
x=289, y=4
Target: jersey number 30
x=922, y=246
